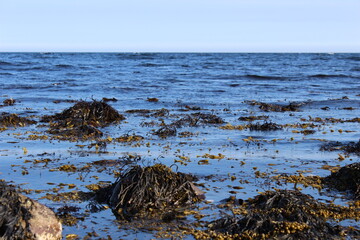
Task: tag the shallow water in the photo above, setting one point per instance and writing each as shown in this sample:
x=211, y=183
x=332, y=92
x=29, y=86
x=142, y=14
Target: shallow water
x=217, y=83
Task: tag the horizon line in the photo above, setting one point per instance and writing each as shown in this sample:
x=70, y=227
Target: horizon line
x=190, y=52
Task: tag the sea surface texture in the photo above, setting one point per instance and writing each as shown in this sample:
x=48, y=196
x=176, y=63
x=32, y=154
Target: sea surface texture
x=227, y=160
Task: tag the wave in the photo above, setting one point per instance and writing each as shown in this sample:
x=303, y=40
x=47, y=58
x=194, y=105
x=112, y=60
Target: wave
x=354, y=58
x=247, y=77
x=2, y=63
x=331, y=76
x=6, y=74
x=63, y=66
x=264, y=77
x=150, y=65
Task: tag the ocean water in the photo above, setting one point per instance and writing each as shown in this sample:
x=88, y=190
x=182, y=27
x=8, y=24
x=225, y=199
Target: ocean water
x=325, y=85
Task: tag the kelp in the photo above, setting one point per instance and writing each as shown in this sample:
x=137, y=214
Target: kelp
x=13, y=120
x=267, y=126
x=149, y=191
x=81, y=120
x=13, y=216
x=95, y=113
x=166, y=131
x=9, y=102
x=83, y=132
x=196, y=119
x=350, y=147
x=253, y=118
x=283, y=214
x=346, y=178
x=270, y=107
x=150, y=113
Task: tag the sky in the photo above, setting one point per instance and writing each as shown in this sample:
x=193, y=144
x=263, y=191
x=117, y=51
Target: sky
x=180, y=25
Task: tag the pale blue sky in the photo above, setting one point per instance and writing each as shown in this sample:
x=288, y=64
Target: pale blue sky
x=180, y=25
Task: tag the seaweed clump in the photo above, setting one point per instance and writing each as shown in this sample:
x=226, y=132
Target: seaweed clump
x=346, y=178
x=284, y=214
x=149, y=191
x=269, y=107
x=13, y=120
x=82, y=120
x=166, y=131
x=351, y=147
x=267, y=126
x=13, y=215
x=95, y=113
x=195, y=119
x=253, y=118
x=9, y=102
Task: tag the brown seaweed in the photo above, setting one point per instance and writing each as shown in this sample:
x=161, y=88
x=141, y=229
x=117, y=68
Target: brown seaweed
x=284, y=214
x=13, y=120
x=95, y=113
x=13, y=216
x=253, y=118
x=149, y=190
x=346, y=178
x=166, y=131
x=270, y=107
x=267, y=126
x=9, y=102
x=82, y=119
x=195, y=119
x=351, y=147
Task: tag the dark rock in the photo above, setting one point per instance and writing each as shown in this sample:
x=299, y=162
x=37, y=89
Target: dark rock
x=24, y=218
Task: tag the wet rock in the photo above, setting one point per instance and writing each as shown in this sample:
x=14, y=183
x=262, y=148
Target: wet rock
x=346, y=178
x=24, y=218
x=283, y=214
x=149, y=191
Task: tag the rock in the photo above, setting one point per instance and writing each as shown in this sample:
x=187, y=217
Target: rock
x=24, y=218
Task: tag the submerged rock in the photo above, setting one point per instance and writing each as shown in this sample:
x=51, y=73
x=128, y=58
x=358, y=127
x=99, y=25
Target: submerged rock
x=346, y=178
x=145, y=191
x=24, y=218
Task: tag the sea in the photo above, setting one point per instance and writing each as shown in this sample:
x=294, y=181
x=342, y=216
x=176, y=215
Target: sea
x=323, y=85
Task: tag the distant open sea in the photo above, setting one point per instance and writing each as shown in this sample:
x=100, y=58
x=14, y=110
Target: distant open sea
x=195, y=77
